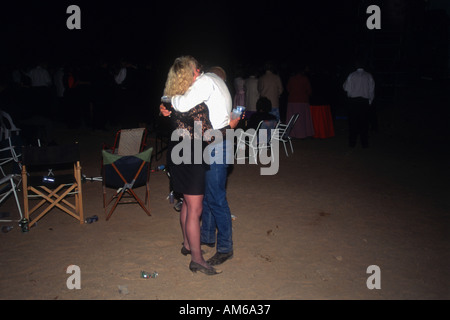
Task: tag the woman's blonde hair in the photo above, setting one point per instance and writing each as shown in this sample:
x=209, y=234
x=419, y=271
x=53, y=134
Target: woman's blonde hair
x=180, y=76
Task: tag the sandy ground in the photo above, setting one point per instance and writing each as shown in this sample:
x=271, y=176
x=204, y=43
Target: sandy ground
x=309, y=232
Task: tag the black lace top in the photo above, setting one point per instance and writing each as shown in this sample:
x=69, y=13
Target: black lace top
x=195, y=121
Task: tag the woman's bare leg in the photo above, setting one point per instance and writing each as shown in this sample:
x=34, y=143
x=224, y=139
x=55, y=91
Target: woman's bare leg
x=193, y=212
x=183, y=215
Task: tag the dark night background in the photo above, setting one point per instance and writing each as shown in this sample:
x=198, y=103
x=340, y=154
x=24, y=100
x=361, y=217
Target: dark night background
x=409, y=59
x=224, y=31
x=413, y=43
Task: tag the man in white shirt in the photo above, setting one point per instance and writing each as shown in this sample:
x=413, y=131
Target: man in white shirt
x=270, y=86
x=251, y=93
x=212, y=90
x=41, y=94
x=360, y=88
x=360, y=83
x=40, y=77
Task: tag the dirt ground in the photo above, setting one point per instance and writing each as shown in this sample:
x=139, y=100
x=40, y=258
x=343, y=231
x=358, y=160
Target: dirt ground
x=309, y=232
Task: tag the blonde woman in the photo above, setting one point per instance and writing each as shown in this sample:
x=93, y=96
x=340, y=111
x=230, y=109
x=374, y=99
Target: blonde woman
x=188, y=179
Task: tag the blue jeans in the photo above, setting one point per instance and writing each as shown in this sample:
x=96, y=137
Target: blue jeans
x=216, y=212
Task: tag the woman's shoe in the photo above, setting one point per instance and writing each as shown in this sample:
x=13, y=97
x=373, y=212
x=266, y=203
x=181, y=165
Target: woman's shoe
x=185, y=251
x=194, y=267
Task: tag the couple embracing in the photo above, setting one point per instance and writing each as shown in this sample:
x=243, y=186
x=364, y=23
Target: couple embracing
x=201, y=97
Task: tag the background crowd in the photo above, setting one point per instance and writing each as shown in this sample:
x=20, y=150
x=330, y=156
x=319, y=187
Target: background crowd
x=105, y=94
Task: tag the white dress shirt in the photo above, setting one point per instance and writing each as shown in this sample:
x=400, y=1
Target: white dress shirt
x=120, y=77
x=360, y=84
x=270, y=86
x=212, y=90
x=40, y=77
x=251, y=93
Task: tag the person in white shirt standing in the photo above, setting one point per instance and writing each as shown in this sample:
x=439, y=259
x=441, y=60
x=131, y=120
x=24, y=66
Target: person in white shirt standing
x=40, y=77
x=251, y=94
x=360, y=88
x=270, y=86
x=41, y=91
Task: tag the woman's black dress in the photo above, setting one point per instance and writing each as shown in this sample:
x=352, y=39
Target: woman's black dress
x=188, y=178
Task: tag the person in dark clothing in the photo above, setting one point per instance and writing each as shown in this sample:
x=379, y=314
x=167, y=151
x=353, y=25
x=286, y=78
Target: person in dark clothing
x=360, y=88
x=263, y=107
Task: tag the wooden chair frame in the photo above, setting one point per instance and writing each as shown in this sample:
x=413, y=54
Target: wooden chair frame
x=55, y=197
x=127, y=187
